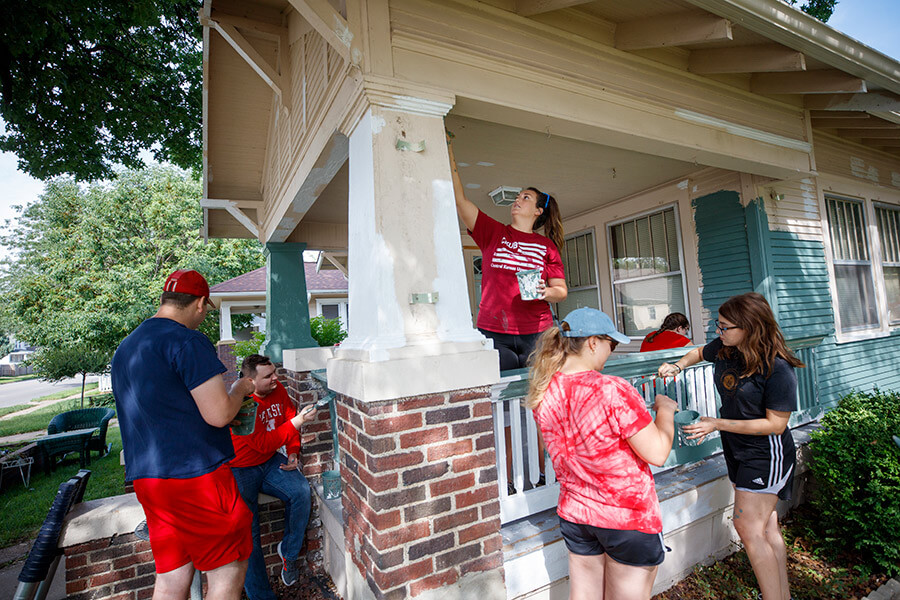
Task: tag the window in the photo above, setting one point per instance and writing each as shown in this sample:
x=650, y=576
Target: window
x=334, y=308
x=888, y=220
x=857, y=305
x=646, y=271
x=580, y=263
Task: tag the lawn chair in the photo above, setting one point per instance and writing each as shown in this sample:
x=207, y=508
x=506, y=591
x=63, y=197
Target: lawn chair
x=82, y=419
x=40, y=566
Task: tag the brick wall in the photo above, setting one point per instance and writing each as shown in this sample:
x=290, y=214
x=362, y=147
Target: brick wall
x=420, y=495
x=225, y=352
x=119, y=567
x=316, y=452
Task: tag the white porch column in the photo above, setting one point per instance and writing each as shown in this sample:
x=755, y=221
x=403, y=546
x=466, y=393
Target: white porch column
x=225, y=332
x=411, y=328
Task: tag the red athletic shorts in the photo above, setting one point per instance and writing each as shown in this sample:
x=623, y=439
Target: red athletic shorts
x=202, y=520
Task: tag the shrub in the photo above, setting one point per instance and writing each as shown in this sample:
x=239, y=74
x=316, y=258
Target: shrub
x=857, y=469
x=244, y=349
x=327, y=332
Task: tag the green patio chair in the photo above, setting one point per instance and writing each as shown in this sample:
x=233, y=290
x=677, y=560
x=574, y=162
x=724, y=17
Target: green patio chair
x=82, y=419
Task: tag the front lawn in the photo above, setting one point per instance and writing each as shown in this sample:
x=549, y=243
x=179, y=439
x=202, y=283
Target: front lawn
x=39, y=419
x=23, y=510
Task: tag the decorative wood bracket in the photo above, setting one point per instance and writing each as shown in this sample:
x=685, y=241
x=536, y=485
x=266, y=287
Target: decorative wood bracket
x=338, y=33
x=234, y=210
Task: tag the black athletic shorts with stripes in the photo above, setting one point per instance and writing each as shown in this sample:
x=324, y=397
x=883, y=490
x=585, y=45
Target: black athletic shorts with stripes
x=763, y=465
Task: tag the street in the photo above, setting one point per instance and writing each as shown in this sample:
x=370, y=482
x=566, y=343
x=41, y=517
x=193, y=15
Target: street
x=20, y=392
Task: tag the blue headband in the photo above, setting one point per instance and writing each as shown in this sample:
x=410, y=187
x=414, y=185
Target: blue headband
x=546, y=200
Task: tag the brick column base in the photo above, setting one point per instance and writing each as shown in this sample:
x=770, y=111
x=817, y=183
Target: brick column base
x=420, y=496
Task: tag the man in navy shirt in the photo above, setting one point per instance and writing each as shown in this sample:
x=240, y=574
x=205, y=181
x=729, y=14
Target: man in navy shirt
x=174, y=412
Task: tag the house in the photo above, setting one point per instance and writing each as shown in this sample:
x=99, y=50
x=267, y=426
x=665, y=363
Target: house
x=14, y=363
x=698, y=148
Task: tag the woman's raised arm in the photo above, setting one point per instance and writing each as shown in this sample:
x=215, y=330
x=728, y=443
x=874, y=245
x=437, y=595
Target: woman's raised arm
x=466, y=210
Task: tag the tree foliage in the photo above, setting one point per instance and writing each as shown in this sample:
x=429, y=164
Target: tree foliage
x=86, y=84
x=59, y=362
x=89, y=262
x=820, y=9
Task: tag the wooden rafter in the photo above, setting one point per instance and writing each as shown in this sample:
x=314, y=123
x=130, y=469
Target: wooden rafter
x=883, y=143
x=233, y=208
x=252, y=57
x=680, y=29
x=873, y=101
x=838, y=114
x=528, y=8
x=335, y=29
x=873, y=134
x=854, y=124
x=825, y=81
x=765, y=58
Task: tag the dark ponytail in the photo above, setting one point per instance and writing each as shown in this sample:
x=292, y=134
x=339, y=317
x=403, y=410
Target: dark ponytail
x=672, y=322
x=550, y=219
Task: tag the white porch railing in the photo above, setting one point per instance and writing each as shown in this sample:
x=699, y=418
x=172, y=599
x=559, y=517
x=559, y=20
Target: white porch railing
x=522, y=492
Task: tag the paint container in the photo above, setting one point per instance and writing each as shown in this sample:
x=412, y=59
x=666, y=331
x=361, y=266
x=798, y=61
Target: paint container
x=528, y=284
x=331, y=484
x=247, y=417
x=682, y=418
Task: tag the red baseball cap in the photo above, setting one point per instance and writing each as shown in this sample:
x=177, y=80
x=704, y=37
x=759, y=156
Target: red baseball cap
x=188, y=281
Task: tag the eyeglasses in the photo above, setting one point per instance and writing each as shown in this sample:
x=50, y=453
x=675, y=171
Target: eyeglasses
x=723, y=328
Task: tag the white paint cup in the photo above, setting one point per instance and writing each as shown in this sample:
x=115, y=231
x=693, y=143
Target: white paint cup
x=528, y=284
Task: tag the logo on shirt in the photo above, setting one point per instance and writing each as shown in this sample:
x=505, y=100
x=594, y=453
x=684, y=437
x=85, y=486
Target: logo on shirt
x=758, y=481
x=730, y=381
x=518, y=256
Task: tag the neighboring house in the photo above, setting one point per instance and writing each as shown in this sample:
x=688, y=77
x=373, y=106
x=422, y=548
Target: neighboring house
x=13, y=363
x=698, y=149
x=326, y=296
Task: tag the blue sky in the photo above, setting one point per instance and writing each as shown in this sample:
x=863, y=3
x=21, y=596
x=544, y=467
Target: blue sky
x=872, y=22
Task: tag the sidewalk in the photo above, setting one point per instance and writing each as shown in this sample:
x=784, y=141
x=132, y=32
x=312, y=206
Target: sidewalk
x=11, y=561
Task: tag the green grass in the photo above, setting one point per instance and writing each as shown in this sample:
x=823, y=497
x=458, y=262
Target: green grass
x=23, y=510
x=11, y=409
x=18, y=378
x=66, y=393
x=39, y=419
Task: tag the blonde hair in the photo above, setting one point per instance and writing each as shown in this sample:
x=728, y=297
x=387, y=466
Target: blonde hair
x=550, y=354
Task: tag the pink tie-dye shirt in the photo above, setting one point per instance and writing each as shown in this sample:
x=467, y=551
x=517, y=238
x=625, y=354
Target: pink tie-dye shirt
x=586, y=419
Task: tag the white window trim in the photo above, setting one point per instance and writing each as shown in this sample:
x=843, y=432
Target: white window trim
x=343, y=305
x=679, y=242
x=840, y=187
x=596, y=285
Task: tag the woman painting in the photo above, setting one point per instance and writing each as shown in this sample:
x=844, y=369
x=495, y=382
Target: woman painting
x=671, y=334
x=503, y=316
x=754, y=375
x=601, y=438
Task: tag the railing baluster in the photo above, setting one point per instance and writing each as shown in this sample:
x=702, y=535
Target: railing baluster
x=534, y=468
x=515, y=421
x=500, y=448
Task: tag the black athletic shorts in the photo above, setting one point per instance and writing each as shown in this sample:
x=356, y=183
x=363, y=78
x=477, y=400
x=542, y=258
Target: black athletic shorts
x=629, y=547
x=768, y=471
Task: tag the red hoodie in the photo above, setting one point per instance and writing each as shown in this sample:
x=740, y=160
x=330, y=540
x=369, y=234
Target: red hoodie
x=273, y=430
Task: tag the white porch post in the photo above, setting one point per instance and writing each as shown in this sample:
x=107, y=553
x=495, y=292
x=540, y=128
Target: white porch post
x=225, y=332
x=410, y=324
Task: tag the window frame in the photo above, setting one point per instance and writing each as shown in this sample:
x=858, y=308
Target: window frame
x=869, y=196
x=679, y=242
x=343, y=305
x=876, y=204
x=596, y=285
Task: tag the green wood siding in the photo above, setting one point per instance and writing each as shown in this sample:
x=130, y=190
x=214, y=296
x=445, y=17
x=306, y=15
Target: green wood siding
x=861, y=365
x=801, y=291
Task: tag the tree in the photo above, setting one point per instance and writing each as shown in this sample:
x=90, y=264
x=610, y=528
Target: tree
x=820, y=9
x=60, y=362
x=89, y=262
x=86, y=84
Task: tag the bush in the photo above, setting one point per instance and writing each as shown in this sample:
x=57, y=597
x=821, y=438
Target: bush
x=857, y=469
x=244, y=349
x=327, y=332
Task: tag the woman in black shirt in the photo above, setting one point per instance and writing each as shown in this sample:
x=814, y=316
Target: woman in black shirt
x=754, y=375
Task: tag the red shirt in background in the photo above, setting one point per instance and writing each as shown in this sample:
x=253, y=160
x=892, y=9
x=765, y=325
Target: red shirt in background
x=273, y=430
x=505, y=251
x=586, y=419
x=665, y=340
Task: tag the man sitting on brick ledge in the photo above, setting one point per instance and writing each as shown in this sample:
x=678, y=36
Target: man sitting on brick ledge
x=258, y=467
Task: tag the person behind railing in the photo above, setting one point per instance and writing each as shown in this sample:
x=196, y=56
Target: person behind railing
x=755, y=378
x=601, y=438
x=671, y=334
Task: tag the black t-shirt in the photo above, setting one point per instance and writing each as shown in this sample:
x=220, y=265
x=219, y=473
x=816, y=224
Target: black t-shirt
x=745, y=398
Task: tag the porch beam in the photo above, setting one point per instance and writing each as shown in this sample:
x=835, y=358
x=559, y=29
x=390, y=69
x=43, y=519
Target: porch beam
x=234, y=210
x=680, y=29
x=766, y=58
x=891, y=134
x=529, y=8
x=872, y=101
x=333, y=27
x=250, y=55
x=890, y=117
x=825, y=81
x=854, y=124
x=883, y=143
x=263, y=29
x=838, y=114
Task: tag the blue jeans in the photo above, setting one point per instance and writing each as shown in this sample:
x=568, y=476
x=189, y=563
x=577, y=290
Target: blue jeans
x=293, y=489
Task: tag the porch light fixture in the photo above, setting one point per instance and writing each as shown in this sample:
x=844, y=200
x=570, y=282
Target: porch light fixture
x=504, y=195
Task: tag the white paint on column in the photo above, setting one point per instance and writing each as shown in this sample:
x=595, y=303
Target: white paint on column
x=454, y=317
x=225, y=331
x=376, y=321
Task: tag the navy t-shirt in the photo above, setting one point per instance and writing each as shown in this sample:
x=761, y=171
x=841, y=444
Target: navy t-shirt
x=746, y=398
x=163, y=434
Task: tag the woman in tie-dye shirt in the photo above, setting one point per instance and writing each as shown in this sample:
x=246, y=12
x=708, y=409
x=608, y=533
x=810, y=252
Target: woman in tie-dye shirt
x=601, y=438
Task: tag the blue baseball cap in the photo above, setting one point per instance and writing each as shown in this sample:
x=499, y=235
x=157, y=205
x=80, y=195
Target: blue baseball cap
x=585, y=322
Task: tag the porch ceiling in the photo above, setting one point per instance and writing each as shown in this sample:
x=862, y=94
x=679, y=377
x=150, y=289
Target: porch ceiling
x=581, y=175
